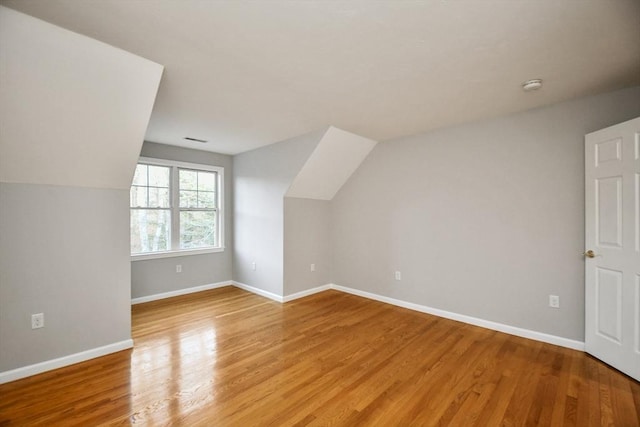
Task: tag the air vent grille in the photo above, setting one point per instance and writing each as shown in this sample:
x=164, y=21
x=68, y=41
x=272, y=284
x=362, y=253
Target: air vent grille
x=188, y=138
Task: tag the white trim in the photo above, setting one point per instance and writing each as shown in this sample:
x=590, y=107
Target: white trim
x=500, y=327
x=48, y=365
x=488, y=324
x=258, y=291
x=175, y=208
x=308, y=292
x=178, y=292
x=171, y=254
x=38, y=368
x=184, y=165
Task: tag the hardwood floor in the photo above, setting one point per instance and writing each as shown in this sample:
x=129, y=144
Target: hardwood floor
x=226, y=357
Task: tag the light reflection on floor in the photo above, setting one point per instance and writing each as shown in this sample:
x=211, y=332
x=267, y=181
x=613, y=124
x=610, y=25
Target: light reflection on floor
x=164, y=383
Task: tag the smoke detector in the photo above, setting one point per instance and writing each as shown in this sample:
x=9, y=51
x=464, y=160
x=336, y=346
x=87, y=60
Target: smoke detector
x=530, y=85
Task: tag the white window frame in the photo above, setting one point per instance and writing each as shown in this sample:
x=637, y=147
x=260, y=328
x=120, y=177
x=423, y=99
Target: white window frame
x=174, y=209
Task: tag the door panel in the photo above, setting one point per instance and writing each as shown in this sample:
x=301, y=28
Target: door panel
x=637, y=213
x=637, y=310
x=609, y=303
x=609, y=214
x=612, y=232
x=608, y=151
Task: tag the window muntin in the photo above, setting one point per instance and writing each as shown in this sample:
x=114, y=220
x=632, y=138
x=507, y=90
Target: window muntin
x=175, y=207
x=197, y=193
x=150, y=209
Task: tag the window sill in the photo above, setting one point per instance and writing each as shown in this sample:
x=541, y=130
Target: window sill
x=172, y=254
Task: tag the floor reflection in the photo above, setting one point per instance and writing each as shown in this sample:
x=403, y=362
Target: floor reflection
x=173, y=374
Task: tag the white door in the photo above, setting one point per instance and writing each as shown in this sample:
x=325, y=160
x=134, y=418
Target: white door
x=612, y=253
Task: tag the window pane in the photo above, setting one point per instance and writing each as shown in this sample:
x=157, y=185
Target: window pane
x=206, y=181
x=158, y=197
x=153, y=208
x=188, y=199
x=150, y=230
x=159, y=176
x=197, y=229
x=140, y=177
x=206, y=199
x=138, y=197
x=188, y=179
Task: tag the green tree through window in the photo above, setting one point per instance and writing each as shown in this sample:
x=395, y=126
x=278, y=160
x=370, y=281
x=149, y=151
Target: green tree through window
x=175, y=206
x=197, y=208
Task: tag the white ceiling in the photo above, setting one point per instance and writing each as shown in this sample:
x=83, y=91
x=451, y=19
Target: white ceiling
x=243, y=74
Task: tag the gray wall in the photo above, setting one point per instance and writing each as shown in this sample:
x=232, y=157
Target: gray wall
x=307, y=241
x=155, y=276
x=261, y=178
x=64, y=252
x=484, y=219
x=73, y=113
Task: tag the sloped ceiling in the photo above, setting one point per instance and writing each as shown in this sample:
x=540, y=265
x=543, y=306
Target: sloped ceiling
x=244, y=73
x=335, y=158
x=73, y=111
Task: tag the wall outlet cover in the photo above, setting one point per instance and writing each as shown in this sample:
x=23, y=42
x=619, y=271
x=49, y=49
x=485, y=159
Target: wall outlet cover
x=37, y=321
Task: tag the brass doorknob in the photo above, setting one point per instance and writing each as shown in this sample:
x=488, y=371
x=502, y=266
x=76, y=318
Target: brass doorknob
x=589, y=254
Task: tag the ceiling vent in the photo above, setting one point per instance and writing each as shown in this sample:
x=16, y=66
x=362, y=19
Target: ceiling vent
x=188, y=138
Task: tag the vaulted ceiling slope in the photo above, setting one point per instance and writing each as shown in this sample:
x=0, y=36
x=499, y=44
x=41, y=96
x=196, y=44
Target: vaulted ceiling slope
x=337, y=151
x=73, y=111
x=242, y=74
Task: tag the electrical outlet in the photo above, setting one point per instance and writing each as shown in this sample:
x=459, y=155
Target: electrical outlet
x=178, y=268
x=37, y=321
x=313, y=267
x=554, y=301
x=253, y=266
x=398, y=275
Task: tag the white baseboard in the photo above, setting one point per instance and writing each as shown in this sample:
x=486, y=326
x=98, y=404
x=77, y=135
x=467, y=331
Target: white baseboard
x=38, y=368
x=185, y=291
x=48, y=365
x=488, y=324
x=512, y=330
x=308, y=292
x=244, y=286
x=279, y=298
x=258, y=291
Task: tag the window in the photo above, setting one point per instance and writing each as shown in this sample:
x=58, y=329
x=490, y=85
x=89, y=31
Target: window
x=176, y=209
x=197, y=208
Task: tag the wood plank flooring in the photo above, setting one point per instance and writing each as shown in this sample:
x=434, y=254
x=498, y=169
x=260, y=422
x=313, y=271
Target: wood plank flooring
x=226, y=357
